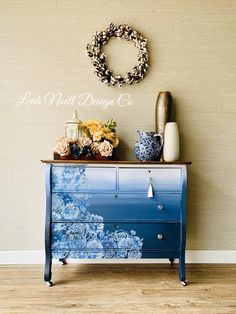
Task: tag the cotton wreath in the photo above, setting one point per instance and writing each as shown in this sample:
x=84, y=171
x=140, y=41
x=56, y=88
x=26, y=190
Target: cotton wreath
x=98, y=58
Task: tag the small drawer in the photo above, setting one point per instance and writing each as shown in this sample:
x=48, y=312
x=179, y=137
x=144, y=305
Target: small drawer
x=81, y=178
x=114, y=206
x=155, y=236
x=137, y=179
x=123, y=236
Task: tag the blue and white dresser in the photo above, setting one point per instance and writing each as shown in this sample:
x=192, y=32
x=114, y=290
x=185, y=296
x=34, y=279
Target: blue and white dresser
x=115, y=210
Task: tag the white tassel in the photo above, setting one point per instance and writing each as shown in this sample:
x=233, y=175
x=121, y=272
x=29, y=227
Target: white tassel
x=150, y=190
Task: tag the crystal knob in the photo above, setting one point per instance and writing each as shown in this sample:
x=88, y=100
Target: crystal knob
x=159, y=236
x=160, y=206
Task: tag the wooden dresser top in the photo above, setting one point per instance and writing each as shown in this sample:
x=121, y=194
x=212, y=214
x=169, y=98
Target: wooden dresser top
x=126, y=162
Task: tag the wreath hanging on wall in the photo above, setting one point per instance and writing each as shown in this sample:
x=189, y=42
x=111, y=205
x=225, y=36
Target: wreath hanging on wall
x=98, y=58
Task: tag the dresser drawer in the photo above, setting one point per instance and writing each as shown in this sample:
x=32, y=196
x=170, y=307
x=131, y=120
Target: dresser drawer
x=81, y=178
x=123, y=236
x=101, y=254
x=114, y=254
x=115, y=206
x=137, y=179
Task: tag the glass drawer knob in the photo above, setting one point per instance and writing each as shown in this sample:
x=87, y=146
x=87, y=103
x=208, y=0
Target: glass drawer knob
x=159, y=236
x=160, y=206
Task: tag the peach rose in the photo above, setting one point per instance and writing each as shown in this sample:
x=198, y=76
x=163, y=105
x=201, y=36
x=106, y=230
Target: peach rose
x=86, y=141
x=95, y=147
x=63, y=147
x=105, y=149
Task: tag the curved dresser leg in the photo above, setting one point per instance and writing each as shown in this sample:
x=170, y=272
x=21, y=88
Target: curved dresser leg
x=183, y=283
x=171, y=261
x=183, y=228
x=48, y=269
x=49, y=283
x=63, y=261
x=182, y=269
x=48, y=254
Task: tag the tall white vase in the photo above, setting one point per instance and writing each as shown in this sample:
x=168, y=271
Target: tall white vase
x=171, y=142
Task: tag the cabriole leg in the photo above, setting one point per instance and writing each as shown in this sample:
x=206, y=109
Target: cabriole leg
x=48, y=271
x=171, y=261
x=63, y=261
x=48, y=254
x=182, y=269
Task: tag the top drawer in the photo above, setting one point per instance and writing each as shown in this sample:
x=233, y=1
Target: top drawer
x=80, y=178
x=137, y=179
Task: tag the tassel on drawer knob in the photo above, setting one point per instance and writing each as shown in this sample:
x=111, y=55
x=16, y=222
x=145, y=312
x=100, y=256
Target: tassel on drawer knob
x=159, y=236
x=160, y=206
x=150, y=188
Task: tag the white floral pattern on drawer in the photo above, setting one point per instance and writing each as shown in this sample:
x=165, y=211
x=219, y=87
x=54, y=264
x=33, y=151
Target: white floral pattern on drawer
x=82, y=178
x=94, y=241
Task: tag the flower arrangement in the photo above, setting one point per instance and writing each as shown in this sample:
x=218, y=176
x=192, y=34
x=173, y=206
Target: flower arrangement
x=99, y=141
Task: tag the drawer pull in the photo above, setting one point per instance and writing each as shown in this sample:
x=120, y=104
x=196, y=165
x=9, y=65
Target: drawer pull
x=160, y=206
x=159, y=236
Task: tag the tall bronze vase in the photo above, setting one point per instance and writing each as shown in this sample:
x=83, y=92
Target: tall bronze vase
x=163, y=112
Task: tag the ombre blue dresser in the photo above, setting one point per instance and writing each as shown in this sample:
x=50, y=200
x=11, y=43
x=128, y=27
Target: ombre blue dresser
x=115, y=210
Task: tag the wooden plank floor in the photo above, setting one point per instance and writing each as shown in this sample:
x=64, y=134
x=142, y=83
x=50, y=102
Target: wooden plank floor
x=118, y=288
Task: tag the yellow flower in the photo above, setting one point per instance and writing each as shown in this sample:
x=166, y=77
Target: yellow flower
x=99, y=131
x=93, y=125
x=97, y=136
x=94, y=129
x=108, y=134
x=115, y=142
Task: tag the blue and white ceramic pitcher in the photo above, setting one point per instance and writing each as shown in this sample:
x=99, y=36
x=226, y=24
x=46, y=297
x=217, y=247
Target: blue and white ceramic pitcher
x=149, y=146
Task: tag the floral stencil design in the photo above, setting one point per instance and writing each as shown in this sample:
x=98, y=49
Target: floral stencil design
x=86, y=239
x=72, y=207
x=67, y=178
x=89, y=240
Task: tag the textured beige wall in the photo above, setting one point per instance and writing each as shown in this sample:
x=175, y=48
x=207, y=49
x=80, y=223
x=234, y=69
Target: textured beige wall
x=192, y=53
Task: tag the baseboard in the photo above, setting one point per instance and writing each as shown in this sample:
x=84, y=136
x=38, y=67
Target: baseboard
x=192, y=256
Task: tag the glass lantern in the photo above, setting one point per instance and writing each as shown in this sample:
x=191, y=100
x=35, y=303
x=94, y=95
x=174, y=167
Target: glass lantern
x=74, y=128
